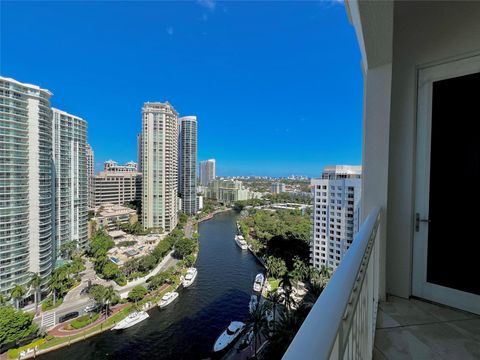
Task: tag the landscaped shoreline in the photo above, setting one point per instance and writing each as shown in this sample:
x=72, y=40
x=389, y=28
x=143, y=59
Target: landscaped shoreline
x=62, y=338
x=212, y=214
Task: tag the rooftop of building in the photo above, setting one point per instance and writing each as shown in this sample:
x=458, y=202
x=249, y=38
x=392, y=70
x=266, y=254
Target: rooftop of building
x=114, y=209
x=32, y=86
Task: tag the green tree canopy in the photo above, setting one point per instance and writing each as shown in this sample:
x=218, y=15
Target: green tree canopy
x=110, y=271
x=185, y=247
x=15, y=325
x=276, y=266
x=137, y=293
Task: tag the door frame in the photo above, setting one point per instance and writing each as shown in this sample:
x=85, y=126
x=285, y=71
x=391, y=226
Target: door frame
x=420, y=287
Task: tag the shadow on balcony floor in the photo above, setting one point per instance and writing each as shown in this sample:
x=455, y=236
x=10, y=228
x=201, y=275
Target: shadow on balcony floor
x=414, y=329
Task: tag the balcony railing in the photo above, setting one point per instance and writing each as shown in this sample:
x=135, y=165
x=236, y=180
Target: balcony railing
x=341, y=324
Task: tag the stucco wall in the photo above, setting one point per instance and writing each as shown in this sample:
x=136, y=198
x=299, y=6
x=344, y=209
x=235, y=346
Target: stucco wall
x=424, y=33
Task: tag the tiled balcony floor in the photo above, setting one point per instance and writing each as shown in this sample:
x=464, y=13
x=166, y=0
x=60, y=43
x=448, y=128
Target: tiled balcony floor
x=414, y=329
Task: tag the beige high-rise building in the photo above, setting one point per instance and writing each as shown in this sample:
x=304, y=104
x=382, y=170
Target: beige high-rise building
x=159, y=165
x=118, y=184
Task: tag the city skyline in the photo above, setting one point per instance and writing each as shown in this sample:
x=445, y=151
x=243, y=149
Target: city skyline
x=219, y=81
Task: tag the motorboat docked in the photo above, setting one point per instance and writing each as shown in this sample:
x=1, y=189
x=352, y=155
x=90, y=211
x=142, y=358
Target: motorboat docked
x=252, y=305
x=190, y=277
x=241, y=242
x=167, y=299
x=228, y=336
x=258, y=284
x=132, y=319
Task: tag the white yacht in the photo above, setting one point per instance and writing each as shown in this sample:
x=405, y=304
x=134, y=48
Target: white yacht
x=253, y=303
x=241, y=242
x=132, y=319
x=258, y=284
x=190, y=277
x=229, y=335
x=167, y=299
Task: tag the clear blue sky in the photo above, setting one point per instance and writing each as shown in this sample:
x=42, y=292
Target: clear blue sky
x=276, y=86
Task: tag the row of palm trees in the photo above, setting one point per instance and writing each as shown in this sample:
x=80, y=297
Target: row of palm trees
x=18, y=291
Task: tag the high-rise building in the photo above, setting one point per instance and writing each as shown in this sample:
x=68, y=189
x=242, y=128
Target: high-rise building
x=336, y=204
x=188, y=164
x=139, y=151
x=227, y=191
x=278, y=188
x=26, y=189
x=207, y=171
x=118, y=184
x=69, y=144
x=90, y=177
x=159, y=165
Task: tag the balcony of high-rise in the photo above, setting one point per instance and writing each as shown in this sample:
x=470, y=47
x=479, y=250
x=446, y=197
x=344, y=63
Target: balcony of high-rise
x=406, y=288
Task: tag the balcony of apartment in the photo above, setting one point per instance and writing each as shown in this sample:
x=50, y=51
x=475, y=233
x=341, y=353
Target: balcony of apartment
x=408, y=286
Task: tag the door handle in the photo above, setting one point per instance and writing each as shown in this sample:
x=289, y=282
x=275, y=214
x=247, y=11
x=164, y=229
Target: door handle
x=418, y=221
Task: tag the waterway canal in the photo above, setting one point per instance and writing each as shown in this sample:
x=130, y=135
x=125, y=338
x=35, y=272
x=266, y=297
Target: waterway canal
x=187, y=328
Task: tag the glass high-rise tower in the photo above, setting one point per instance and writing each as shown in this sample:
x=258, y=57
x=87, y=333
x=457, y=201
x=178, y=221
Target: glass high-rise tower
x=26, y=188
x=69, y=142
x=188, y=164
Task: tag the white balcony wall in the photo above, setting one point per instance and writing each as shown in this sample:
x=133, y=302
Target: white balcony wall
x=416, y=35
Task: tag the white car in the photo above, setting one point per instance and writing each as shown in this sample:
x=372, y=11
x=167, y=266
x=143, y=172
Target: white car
x=90, y=307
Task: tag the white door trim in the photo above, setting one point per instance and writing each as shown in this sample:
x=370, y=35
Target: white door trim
x=420, y=287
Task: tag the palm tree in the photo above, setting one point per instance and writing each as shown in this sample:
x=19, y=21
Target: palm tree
x=275, y=299
x=314, y=291
x=57, y=282
x=108, y=296
x=17, y=293
x=286, y=284
x=68, y=249
x=34, y=283
x=288, y=325
x=257, y=323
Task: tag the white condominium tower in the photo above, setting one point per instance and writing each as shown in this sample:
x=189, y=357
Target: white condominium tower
x=69, y=141
x=336, y=203
x=26, y=191
x=207, y=171
x=159, y=165
x=188, y=164
x=139, y=151
x=90, y=175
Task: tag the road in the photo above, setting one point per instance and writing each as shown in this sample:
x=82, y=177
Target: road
x=75, y=300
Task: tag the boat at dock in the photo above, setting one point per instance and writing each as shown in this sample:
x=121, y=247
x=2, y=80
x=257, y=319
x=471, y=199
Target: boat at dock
x=132, y=319
x=190, y=277
x=258, y=284
x=167, y=299
x=228, y=336
x=241, y=242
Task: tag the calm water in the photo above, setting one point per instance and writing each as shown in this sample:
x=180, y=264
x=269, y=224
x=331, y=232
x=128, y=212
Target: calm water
x=188, y=327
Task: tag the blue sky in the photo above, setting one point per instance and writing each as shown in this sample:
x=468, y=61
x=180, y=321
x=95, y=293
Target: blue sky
x=276, y=86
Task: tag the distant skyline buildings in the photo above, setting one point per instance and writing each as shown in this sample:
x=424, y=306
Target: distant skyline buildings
x=188, y=164
x=207, y=171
